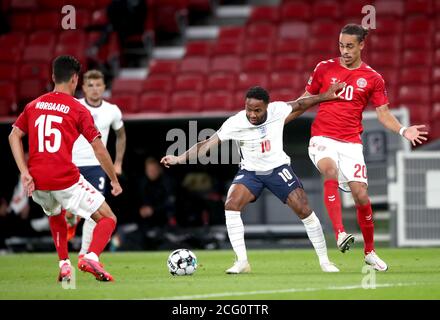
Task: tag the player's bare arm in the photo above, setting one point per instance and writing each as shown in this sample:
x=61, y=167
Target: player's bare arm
x=120, y=149
x=106, y=162
x=389, y=121
x=306, y=101
x=200, y=148
x=16, y=143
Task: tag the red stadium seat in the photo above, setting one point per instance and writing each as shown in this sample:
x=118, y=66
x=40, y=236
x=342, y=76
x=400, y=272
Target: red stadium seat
x=194, y=64
x=77, y=51
x=153, y=102
x=221, y=81
x=284, y=80
x=352, y=10
x=187, y=101
x=264, y=14
x=437, y=57
x=128, y=103
x=22, y=22
x=226, y=63
x=418, y=25
x=169, y=16
x=8, y=72
x=328, y=44
x=200, y=6
x=198, y=48
x=34, y=70
x=240, y=98
x=17, y=5
x=83, y=19
x=436, y=74
x=261, y=30
x=390, y=75
x=312, y=60
x=293, y=30
x=257, y=46
x=48, y=20
x=189, y=82
x=13, y=39
x=246, y=80
x=416, y=58
x=281, y=95
x=125, y=86
x=289, y=46
x=382, y=43
x=163, y=66
x=39, y=53
x=384, y=60
x=226, y=47
x=256, y=63
x=436, y=93
x=388, y=26
x=73, y=38
x=437, y=39
x=10, y=55
x=296, y=11
x=217, y=101
x=160, y=83
x=389, y=8
x=288, y=62
x=326, y=9
x=236, y=33
x=435, y=112
x=415, y=41
x=29, y=89
x=418, y=6
x=42, y=38
x=414, y=94
x=8, y=91
x=415, y=75
x=322, y=28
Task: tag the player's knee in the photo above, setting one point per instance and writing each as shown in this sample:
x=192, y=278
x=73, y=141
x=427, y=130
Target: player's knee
x=330, y=173
x=232, y=204
x=360, y=196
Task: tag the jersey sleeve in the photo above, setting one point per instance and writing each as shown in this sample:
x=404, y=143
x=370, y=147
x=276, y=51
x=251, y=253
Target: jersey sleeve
x=282, y=108
x=117, y=122
x=227, y=130
x=22, y=121
x=315, y=81
x=87, y=126
x=379, y=95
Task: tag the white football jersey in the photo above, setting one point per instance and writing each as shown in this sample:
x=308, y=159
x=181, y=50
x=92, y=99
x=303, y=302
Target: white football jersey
x=105, y=116
x=261, y=146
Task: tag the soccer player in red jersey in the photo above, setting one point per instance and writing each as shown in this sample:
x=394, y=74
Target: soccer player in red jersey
x=53, y=122
x=336, y=147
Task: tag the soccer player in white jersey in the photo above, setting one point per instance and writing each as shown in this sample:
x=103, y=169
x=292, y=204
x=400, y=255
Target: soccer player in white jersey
x=105, y=116
x=258, y=131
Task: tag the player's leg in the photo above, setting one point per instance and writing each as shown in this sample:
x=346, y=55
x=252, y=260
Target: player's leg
x=58, y=228
x=365, y=219
x=244, y=189
x=95, y=175
x=324, y=154
x=288, y=188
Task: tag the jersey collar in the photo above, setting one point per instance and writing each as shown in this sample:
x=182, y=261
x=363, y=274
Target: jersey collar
x=91, y=106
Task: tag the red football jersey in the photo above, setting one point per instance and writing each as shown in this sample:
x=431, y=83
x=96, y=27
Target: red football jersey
x=53, y=122
x=342, y=119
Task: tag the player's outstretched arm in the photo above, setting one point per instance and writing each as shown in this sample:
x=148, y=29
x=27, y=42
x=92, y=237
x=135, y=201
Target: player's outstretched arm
x=121, y=139
x=199, y=149
x=106, y=162
x=306, y=101
x=389, y=121
x=16, y=143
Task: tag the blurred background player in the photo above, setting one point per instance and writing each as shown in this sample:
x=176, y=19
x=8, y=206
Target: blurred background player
x=53, y=122
x=105, y=116
x=336, y=146
x=258, y=131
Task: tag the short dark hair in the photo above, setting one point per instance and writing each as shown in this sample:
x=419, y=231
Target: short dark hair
x=258, y=93
x=64, y=67
x=355, y=30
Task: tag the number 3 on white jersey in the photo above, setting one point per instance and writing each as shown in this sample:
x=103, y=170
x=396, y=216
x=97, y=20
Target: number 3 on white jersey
x=348, y=91
x=45, y=130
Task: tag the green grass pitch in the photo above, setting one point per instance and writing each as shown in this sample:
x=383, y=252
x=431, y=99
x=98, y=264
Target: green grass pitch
x=276, y=274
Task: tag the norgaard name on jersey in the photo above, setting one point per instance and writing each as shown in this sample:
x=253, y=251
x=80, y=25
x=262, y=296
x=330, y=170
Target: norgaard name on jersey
x=53, y=106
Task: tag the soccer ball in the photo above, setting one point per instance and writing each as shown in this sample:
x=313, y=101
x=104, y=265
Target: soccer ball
x=182, y=262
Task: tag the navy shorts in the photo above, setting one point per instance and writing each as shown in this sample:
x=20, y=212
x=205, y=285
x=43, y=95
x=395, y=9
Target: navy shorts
x=281, y=181
x=95, y=175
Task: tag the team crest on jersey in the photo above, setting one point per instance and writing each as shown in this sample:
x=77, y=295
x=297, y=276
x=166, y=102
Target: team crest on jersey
x=333, y=80
x=361, y=83
x=310, y=80
x=263, y=130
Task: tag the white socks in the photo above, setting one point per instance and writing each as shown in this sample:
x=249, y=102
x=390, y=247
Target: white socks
x=316, y=236
x=235, y=228
x=87, y=235
x=92, y=256
x=62, y=262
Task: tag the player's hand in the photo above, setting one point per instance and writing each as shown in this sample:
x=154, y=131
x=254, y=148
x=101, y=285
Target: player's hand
x=330, y=94
x=414, y=135
x=28, y=183
x=169, y=160
x=116, y=188
x=118, y=168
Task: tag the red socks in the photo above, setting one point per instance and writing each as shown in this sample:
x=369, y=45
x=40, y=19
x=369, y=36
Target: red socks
x=332, y=202
x=101, y=235
x=365, y=220
x=58, y=228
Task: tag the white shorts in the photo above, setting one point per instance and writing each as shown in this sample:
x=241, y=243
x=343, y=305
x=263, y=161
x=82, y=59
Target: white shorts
x=348, y=157
x=81, y=199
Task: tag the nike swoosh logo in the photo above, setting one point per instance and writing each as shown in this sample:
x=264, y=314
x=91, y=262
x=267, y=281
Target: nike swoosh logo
x=289, y=184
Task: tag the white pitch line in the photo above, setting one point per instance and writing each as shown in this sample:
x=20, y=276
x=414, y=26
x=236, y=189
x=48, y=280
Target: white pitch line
x=292, y=290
